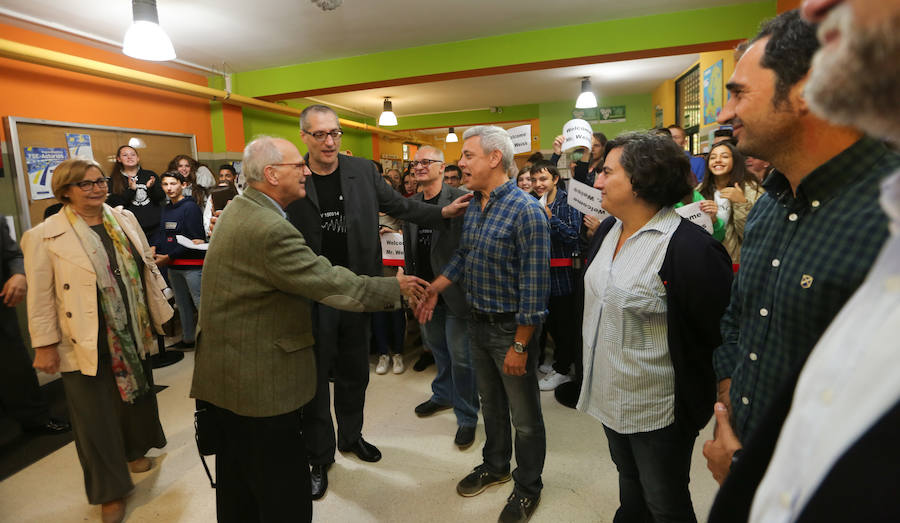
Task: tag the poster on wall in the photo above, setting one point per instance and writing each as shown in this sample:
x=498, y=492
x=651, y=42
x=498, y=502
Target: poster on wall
x=658, y=117
x=605, y=114
x=80, y=146
x=41, y=162
x=712, y=93
x=521, y=138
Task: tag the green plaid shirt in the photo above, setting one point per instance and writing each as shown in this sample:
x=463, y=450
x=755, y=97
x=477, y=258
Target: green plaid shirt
x=803, y=256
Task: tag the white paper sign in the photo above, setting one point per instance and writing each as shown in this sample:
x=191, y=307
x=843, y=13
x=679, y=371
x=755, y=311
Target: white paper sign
x=392, y=248
x=521, y=138
x=692, y=213
x=184, y=241
x=586, y=199
x=577, y=133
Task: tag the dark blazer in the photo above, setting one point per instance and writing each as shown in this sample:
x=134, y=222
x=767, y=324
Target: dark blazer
x=365, y=194
x=11, y=259
x=697, y=274
x=861, y=486
x=254, y=352
x=443, y=244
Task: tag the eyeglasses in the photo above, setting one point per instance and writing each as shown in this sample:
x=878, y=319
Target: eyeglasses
x=298, y=165
x=321, y=135
x=424, y=163
x=88, y=185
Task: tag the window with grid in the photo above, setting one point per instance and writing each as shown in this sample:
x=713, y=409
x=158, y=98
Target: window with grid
x=687, y=106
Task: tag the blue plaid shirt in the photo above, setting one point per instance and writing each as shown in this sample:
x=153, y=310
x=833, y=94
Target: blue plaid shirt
x=504, y=254
x=803, y=257
x=565, y=226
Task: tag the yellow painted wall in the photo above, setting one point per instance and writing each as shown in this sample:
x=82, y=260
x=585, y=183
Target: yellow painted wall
x=664, y=96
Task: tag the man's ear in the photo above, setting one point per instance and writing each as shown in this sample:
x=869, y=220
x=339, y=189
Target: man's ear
x=495, y=158
x=797, y=97
x=269, y=175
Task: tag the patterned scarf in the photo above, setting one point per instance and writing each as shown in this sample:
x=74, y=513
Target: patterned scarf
x=126, y=348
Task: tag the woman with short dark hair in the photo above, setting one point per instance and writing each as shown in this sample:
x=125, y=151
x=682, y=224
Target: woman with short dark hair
x=655, y=287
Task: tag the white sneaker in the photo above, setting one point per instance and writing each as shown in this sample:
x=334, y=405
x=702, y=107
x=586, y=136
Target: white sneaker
x=546, y=367
x=383, y=362
x=553, y=380
x=399, y=367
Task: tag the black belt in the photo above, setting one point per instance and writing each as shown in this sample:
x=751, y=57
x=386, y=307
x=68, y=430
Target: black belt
x=493, y=317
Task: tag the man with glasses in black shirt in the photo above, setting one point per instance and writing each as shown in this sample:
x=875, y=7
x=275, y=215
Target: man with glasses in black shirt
x=339, y=216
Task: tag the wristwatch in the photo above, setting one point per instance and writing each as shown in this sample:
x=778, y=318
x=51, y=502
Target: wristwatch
x=520, y=347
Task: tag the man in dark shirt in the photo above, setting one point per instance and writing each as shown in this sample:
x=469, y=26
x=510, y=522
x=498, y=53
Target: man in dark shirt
x=504, y=257
x=427, y=252
x=809, y=241
x=339, y=220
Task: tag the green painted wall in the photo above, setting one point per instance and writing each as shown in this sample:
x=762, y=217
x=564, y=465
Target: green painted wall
x=216, y=118
x=258, y=122
x=613, y=36
x=638, y=116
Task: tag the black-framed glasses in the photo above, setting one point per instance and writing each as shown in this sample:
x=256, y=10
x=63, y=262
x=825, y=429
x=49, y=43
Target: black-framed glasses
x=88, y=185
x=321, y=135
x=426, y=163
x=297, y=165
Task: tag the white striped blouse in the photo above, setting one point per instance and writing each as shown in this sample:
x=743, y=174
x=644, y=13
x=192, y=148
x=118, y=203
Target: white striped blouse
x=629, y=382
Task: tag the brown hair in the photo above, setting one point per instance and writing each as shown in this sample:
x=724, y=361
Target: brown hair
x=69, y=172
x=117, y=183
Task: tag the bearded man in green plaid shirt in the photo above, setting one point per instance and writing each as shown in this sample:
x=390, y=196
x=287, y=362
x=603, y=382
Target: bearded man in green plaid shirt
x=809, y=241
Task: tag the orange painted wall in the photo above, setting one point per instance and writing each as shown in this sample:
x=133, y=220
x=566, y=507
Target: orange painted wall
x=787, y=5
x=36, y=91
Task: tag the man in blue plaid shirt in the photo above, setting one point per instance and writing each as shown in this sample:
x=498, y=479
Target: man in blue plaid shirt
x=504, y=258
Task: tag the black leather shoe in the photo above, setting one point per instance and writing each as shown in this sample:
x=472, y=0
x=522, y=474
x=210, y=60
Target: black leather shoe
x=319, y=476
x=478, y=480
x=54, y=426
x=428, y=408
x=424, y=361
x=518, y=508
x=464, y=437
x=364, y=450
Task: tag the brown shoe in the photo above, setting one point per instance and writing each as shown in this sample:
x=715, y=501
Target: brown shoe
x=140, y=465
x=113, y=512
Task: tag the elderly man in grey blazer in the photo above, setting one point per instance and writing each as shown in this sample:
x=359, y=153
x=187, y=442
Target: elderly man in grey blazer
x=427, y=252
x=254, y=360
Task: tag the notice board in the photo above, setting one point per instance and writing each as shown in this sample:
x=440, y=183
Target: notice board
x=31, y=140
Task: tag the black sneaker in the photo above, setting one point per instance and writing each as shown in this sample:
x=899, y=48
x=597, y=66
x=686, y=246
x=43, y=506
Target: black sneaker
x=478, y=480
x=425, y=360
x=465, y=436
x=518, y=508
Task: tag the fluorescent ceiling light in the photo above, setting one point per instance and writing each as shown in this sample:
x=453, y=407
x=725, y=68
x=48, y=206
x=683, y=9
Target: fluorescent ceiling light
x=145, y=39
x=387, y=118
x=586, y=100
x=451, y=137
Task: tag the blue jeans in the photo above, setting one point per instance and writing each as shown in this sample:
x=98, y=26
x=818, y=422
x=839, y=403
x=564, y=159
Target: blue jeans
x=448, y=338
x=503, y=395
x=186, y=284
x=654, y=472
x=389, y=328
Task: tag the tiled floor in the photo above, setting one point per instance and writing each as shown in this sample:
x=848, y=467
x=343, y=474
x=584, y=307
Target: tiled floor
x=414, y=482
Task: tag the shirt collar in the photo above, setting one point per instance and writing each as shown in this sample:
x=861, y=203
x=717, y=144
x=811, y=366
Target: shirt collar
x=890, y=201
x=829, y=179
x=276, y=204
x=498, y=192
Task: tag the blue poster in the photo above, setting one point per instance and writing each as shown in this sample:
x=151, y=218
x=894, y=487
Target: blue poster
x=712, y=93
x=80, y=146
x=41, y=162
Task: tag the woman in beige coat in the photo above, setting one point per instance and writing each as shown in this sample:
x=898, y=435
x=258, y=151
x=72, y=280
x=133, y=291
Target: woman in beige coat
x=94, y=298
x=731, y=192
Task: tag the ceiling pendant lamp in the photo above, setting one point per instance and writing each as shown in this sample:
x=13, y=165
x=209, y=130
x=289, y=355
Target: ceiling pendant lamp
x=387, y=118
x=586, y=100
x=145, y=39
x=451, y=137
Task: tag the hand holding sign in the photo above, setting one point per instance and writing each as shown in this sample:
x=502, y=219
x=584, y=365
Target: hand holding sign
x=693, y=213
x=577, y=134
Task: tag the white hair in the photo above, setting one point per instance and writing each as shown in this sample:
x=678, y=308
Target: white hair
x=437, y=152
x=494, y=138
x=259, y=153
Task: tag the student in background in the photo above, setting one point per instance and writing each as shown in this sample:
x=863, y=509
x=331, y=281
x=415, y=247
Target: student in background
x=137, y=190
x=182, y=217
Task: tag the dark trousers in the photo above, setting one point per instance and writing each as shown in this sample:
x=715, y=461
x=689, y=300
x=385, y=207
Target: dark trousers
x=503, y=396
x=654, y=472
x=564, y=325
x=342, y=344
x=20, y=393
x=389, y=328
x=261, y=470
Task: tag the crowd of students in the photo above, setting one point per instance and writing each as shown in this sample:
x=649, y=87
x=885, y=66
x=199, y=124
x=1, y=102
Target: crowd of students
x=656, y=324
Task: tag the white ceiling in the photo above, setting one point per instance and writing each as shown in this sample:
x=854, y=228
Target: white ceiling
x=550, y=85
x=247, y=35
